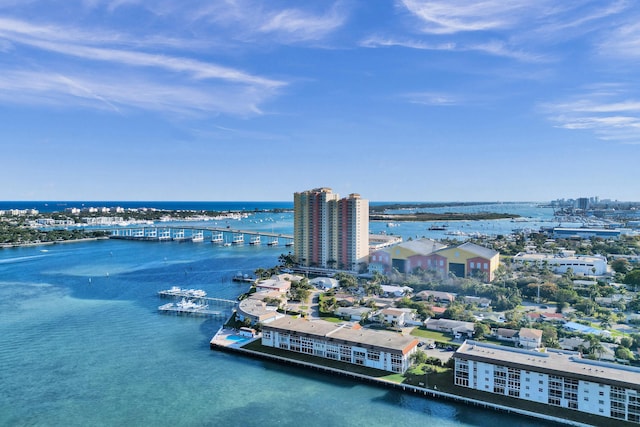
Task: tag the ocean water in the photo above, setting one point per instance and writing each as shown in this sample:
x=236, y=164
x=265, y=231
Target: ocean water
x=82, y=343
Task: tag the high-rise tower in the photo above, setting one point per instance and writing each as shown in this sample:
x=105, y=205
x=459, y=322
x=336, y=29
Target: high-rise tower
x=330, y=232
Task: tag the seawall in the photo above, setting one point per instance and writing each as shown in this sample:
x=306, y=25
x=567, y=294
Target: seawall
x=403, y=387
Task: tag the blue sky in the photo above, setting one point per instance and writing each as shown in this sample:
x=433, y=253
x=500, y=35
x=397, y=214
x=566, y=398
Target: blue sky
x=398, y=100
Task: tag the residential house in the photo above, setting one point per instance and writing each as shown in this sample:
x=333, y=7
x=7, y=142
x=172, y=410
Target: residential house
x=456, y=328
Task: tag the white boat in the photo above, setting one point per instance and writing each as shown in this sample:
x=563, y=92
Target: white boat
x=255, y=240
x=238, y=239
x=273, y=242
x=217, y=238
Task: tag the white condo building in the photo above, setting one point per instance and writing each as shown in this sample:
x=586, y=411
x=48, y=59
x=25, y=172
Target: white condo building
x=330, y=232
x=554, y=377
x=389, y=351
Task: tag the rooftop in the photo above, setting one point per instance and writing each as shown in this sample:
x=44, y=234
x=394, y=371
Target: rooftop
x=555, y=362
x=342, y=332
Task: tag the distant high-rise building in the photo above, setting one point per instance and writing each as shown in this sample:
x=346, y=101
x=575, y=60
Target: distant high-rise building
x=583, y=203
x=330, y=232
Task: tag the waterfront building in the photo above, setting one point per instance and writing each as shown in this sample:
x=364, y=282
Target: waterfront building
x=586, y=265
x=330, y=232
x=553, y=377
x=256, y=310
x=352, y=232
x=279, y=282
x=585, y=233
x=388, y=351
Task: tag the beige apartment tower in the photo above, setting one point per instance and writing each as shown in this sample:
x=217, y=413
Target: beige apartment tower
x=330, y=232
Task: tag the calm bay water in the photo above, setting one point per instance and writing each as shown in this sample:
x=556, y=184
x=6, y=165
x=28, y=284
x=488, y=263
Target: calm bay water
x=82, y=343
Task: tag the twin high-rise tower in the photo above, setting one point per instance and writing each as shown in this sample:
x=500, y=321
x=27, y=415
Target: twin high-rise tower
x=330, y=232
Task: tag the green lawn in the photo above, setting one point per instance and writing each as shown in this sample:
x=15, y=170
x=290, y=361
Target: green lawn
x=432, y=335
x=332, y=319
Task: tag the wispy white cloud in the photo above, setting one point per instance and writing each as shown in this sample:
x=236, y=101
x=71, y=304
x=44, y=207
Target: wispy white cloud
x=297, y=25
x=452, y=16
x=57, y=40
x=115, y=94
x=610, y=114
x=623, y=41
x=494, y=47
x=433, y=99
x=255, y=21
x=377, y=41
x=518, y=29
x=171, y=83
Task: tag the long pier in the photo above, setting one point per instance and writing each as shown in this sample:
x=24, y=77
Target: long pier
x=220, y=235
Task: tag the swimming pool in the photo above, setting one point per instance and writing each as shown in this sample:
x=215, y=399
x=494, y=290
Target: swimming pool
x=237, y=338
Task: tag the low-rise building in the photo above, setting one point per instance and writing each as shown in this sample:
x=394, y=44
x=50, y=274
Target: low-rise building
x=554, y=377
x=353, y=313
x=325, y=283
x=256, y=310
x=438, y=296
x=456, y=328
x=395, y=316
x=467, y=259
x=388, y=351
x=530, y=338
x=585, y=233
x=559, y=263
x=396, y=291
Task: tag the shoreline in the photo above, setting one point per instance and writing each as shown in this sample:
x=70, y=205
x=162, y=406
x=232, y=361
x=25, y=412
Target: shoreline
x=427, y=393
x=58, y=242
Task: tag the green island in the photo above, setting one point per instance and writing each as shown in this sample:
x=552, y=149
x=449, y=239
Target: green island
x=447, y=216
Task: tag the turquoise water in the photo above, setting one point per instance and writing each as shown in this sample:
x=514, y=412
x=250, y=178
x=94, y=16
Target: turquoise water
x=82, y=343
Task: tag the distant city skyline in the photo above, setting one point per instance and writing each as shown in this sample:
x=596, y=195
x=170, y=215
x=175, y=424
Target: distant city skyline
x=397, y=100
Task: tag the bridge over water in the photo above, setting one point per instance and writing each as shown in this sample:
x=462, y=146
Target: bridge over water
x=221, y=235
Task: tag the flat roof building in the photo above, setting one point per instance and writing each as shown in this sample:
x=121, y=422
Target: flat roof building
x=388, y=351
x=554, y=377
x=559, y=263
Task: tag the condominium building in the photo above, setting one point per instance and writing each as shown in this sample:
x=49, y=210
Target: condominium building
x=330, y=232
x=553, y=377
x=389, y=351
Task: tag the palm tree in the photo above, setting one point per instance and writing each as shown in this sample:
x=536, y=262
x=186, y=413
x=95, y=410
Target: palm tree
x=595, y=346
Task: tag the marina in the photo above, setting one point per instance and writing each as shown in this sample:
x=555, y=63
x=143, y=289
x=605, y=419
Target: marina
x=191, y=307
x=195, y=302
